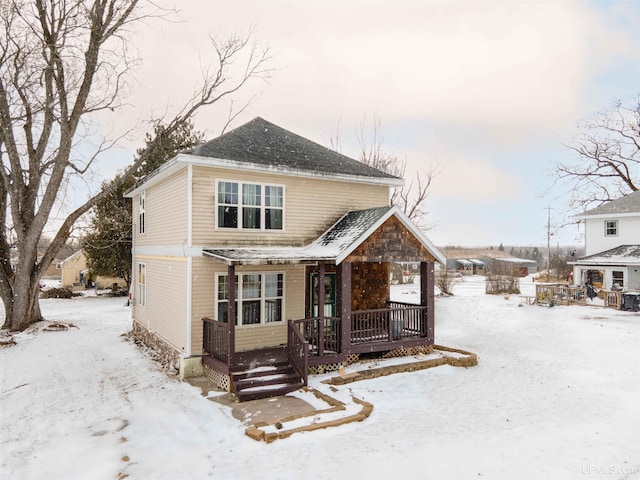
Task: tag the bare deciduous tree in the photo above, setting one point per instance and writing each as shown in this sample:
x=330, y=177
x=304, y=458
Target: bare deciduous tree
x=60, y=63
x=606, y=164
x=411, y=198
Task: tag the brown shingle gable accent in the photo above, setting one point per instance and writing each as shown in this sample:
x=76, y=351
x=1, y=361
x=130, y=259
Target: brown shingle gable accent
x=391, y=242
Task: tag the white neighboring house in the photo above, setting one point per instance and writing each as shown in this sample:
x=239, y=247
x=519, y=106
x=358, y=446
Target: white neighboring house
x=612, y=245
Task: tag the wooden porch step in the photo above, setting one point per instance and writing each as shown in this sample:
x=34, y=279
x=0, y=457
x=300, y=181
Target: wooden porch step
x=265, y=381
x=255, y=393
x=275, y=368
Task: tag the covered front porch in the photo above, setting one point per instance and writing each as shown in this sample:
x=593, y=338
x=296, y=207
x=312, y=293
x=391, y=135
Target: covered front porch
x=348, y=307
x=324, y=339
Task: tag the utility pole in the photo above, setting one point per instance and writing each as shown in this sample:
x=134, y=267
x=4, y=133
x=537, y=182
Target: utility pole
x=548, y=209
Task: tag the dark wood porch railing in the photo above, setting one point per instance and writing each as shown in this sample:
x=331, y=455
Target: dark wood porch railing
x=298, y=349
x=323, y=334
x=413, y=317
x=321, y=337
x=400, y=320
x=215, y=339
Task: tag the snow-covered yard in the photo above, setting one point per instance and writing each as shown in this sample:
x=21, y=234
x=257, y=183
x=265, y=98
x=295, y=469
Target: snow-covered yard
x=556, y=394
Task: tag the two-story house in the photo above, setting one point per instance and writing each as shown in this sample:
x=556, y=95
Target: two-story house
x=236, y=240
x=612, y=245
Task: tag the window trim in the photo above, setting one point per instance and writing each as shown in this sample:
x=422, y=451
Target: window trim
x=614, y=228
x=142, y=286
x=142, y=212
x=263, y=297
x=622, y=279
x=240, y=206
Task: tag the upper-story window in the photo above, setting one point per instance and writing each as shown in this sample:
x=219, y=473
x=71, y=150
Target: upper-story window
x=142, y=210
x=610, y=228
x=250, y=206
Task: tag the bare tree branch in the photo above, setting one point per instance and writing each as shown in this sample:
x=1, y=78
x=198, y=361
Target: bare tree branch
x=412, y=197
x=606, y=161
x=60, y=62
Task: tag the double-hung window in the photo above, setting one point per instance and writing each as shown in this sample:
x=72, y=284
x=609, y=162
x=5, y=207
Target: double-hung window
x=249, y=206
x=610, y=228
x=259, y=298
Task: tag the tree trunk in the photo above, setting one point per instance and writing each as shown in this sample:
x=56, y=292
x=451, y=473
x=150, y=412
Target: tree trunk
x=22, y=309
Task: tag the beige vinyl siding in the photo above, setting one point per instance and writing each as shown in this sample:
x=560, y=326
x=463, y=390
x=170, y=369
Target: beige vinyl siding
x=204, y=271
x=311, y=206
x=202, y=297
x=165, y=313
x=71, y=268
x=166, y=213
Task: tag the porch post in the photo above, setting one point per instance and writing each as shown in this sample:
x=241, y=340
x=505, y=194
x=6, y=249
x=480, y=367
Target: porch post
x=320, y=294
x=427, y=298
x=344, y=304
x=231, y=313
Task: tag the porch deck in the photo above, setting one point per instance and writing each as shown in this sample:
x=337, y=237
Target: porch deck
x=324, y=340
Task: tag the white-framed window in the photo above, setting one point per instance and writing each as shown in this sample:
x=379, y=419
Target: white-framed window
x=142, y=284
x=617, y=277
x=610, y=228
x=249, y=206
x=259, y=298
x=142, y=210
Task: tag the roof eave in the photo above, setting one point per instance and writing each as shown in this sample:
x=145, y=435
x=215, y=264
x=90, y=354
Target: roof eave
x=247, y=166
x=595, y=216
x=169, y=168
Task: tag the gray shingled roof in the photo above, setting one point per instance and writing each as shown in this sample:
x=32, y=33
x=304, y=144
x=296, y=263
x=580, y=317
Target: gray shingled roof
x=630, y=203
x=622, y=255
x=263, y=143
x=343, y=234
x=334, y=245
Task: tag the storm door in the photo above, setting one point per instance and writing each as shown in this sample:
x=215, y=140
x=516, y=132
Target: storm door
x=329, y=294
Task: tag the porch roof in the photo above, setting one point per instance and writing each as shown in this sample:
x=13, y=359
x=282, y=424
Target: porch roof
x=334, y=245
x=622, y=255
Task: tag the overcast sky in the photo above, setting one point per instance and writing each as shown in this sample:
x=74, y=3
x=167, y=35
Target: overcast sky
x=487, y=90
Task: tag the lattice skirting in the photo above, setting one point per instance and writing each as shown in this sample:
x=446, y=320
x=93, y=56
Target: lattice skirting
x=405, y=352
x=355, y=358
x=320, y=369
x=220, y=380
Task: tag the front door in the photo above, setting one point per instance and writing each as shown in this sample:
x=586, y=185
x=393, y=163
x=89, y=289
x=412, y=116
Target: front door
x=329, y=294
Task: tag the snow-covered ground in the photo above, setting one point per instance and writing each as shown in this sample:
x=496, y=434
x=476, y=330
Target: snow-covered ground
x=556, y=394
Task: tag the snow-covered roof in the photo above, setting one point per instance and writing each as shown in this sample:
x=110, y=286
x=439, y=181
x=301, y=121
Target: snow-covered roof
x=622, y=255
x=336, y=244
x=476, y=261
x=627, y=205
x=516, y=260
x=464, y=262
